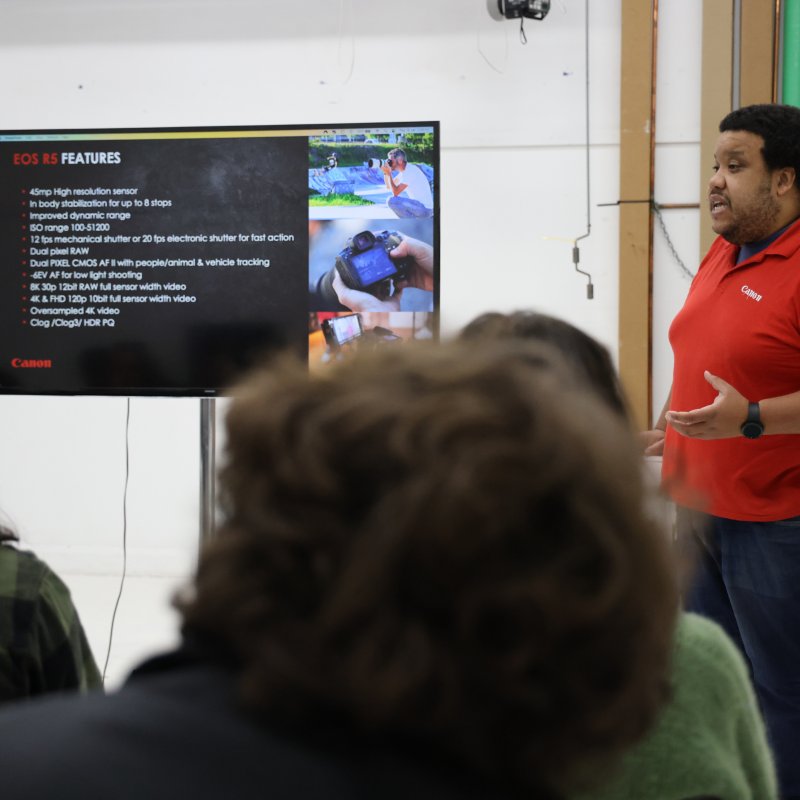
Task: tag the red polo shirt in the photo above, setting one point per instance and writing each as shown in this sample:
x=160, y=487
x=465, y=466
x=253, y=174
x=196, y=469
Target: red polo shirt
x=742, y=323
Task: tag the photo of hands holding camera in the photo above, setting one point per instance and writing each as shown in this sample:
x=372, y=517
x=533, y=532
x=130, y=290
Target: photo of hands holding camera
x=375, y=270
x=413, y=262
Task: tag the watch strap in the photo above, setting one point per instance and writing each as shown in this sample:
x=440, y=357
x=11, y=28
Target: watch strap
x=752, y=427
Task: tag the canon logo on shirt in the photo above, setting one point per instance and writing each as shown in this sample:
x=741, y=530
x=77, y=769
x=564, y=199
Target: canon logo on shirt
x=750, y=293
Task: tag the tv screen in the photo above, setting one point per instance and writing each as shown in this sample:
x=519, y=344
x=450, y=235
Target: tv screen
x=346, y=328
x=167, y=261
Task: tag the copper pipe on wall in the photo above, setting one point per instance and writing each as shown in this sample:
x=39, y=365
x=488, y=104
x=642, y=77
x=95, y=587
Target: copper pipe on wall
x=651, y=193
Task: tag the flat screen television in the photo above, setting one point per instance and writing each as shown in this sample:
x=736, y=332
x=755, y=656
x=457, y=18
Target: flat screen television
x=167, y=261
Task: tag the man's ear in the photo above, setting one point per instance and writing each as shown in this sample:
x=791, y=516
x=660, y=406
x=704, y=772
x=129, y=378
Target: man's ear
x=786, y=179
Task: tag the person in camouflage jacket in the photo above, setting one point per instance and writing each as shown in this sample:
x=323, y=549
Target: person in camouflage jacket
x=43, y=647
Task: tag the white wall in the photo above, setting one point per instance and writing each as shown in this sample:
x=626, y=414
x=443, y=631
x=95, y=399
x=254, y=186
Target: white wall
x=678, y=164
x=513, y=197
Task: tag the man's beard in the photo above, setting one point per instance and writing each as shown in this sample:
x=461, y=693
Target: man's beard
x=760, y=219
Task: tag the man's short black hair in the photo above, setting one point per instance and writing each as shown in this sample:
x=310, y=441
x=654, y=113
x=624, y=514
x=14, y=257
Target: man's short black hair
x=779, y=127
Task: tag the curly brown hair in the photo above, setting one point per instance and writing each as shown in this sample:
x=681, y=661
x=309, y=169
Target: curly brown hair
x=446, y=544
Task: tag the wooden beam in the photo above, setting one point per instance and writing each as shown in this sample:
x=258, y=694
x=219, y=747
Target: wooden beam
x=756, y=57
x=637, y=119
x=715, y=97
x=756, y=65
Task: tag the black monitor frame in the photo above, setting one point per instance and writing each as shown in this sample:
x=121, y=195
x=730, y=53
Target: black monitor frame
x=218, y=181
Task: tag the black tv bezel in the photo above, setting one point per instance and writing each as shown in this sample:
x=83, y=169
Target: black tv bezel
x=301, y=129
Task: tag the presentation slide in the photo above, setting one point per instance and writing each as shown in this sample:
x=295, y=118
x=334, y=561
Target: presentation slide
x=165, y=262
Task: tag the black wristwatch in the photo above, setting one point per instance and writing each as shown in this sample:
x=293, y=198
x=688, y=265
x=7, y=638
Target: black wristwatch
x=752, y=427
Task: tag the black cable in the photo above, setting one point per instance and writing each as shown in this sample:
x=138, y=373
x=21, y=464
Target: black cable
x=576, y=253
x=678, y=260
x=656, y=208
x=124, y=535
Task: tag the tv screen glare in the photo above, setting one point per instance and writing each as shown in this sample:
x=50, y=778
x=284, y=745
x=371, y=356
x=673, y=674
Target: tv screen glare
x=167, y=261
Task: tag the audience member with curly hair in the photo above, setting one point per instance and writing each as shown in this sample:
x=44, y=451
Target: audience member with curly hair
x=709, y=741
x=435, y=578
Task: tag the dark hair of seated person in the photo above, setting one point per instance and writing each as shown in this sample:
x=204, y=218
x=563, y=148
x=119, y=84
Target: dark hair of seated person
x=6, y=535
x=444, y=546
x=580, y=351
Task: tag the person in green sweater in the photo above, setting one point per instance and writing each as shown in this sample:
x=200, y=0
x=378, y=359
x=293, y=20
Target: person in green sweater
x=709, y=741
x=43, y=647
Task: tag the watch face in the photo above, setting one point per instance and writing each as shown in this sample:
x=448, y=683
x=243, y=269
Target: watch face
x=752, y=430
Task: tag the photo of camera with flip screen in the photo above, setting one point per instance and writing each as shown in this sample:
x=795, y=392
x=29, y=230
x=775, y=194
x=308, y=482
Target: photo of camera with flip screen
x=364, y=264
x=342, y=330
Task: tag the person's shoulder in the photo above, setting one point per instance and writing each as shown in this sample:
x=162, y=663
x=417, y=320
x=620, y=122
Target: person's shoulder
x=54, y=724
x=24, y=577
x=176, y=719
x=720, y=250
x=693, y=630
x=12, y=552
x=74, y=733
x=21, y=572
x=715, y=708
x=78, y=737
x=705, y=654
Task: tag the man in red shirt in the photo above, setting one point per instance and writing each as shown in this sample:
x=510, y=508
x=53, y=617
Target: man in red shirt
x=729, y=430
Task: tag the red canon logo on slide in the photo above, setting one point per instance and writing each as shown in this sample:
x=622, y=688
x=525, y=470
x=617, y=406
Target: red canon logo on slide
x=31, y=363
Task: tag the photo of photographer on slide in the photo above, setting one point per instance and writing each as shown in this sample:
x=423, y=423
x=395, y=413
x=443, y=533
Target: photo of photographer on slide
x=334, y=336
x=361, y=265
x=381, y=175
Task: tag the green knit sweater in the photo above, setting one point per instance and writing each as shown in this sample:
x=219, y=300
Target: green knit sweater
x=709, y=741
